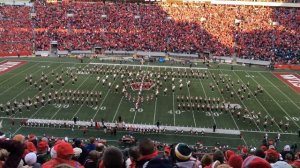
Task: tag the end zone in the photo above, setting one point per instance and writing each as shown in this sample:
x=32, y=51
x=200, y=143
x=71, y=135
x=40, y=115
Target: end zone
x=8, y=65
x=289, y=78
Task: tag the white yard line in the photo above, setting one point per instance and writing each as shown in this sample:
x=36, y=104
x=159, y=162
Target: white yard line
x=191, y=102
x=60, y=107
x=21, y=80
x=229, y=113
x=275, y=101
x=32, y=66
x=237, y=70
x=173, y=96
x=117, y=109
x=42, y=106
x=271, y=132
x=174, y=115
x=79, y=107
x=134, y=117
x=241, y=102
x=154, y=66
x=103, y=100
x=140, y=90
x=280, y=91
x=258, y=101
x=154, y=111
x=17, y=130
x=66, y=62
x=206, y=97
x=30, y=86
x=75, y=90
x=87, y=98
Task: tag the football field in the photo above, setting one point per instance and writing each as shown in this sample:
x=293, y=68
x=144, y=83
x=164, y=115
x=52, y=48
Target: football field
x=247, y=101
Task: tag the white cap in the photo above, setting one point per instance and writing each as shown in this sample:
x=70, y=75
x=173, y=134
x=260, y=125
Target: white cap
x=77, y=152
x=281, y=164
x=30, y=158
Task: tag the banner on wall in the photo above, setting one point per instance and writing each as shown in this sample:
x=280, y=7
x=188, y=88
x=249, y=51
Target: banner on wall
x=290, y=67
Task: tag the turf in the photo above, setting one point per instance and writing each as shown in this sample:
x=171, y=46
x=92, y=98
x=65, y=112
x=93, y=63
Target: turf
x=277, y=100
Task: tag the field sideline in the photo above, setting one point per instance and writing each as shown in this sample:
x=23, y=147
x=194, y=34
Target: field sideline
x=277, y=101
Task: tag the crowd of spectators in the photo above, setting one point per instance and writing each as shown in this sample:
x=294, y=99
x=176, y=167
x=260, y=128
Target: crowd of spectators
x=254, y=32
x=50, y=152
x=15, y=29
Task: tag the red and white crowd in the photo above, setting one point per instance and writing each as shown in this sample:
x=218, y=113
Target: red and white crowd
x=249, y=31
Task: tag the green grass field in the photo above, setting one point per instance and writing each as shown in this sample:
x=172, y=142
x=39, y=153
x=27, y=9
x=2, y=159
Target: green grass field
x=277, y=101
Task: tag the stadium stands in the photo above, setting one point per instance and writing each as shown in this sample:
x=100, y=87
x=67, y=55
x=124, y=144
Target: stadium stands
x=250, y=31
x=15, y=30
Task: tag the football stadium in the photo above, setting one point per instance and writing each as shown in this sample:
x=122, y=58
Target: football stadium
x=146, y=84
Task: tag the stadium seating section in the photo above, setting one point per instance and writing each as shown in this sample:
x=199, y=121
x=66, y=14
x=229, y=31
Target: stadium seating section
x=155, y=27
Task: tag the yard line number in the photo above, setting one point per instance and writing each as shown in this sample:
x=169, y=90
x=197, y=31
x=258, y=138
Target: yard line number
x=61, y=105
x=138, y=110
x=67, y=106
x=98, y=107
x=178, y=112
x=209, y=114
x=249, y=76
x=215, y=114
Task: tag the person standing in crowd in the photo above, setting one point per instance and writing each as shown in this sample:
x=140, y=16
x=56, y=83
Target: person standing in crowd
x=31, y=160
x=43, y=154
x=64, y=157
x=112, y=158
x=16, y=150
x=91, y=146
x=84, y=152
x=92, y=159
x=147, y=151
x=182, y=154
x=134, y=155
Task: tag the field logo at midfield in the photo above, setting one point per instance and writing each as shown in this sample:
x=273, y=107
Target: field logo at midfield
x=291, y=79
x=6, y=66
x=141, y=85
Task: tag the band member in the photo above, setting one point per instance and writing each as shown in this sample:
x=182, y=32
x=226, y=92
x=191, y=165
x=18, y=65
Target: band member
x=116, y=88
x=188, y=83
